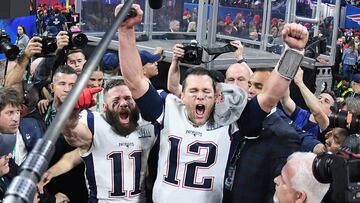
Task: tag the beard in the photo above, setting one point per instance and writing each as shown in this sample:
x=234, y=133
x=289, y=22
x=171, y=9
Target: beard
x=112, y=117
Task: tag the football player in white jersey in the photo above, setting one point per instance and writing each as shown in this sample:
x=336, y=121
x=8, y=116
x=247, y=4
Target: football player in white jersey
x=115, y=147
x=193, y=149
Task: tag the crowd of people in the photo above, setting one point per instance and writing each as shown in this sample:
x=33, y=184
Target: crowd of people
x=51, y=19
x=212, y=137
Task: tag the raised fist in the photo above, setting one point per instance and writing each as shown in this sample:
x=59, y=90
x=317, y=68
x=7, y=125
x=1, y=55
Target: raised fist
x=295, y=35
x=133, y=21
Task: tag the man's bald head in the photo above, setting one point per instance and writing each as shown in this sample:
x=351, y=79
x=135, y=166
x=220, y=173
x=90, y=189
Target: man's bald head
x=238, y=74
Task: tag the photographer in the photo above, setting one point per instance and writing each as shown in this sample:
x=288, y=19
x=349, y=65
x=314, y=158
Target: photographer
x=341, y=170
x=173, y=82
x=17, y=73
x=315, y=120
x=296, y=182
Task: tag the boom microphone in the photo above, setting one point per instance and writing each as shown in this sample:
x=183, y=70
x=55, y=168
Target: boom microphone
x=155, y=4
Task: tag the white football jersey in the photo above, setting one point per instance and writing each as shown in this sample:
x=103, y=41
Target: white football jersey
x=116, y=166
x=192, y=160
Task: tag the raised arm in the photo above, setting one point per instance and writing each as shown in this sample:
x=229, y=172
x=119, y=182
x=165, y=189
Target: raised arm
x=239, y=53
x=16, y=74
x=311, y=101
x=76, y=133
x=67, y=162
x=130, y=63
x=173, y=83
x=148, y=100
x=287, y=103
x=295, y=36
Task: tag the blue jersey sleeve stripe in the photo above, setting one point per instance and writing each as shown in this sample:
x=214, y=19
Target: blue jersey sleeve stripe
x=150, y=104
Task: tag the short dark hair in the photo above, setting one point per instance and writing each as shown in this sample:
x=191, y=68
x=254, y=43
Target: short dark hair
x=198, y=71
x=73, y=51
x=334, y=107
x=65, y=69
x=9, y=95
x=113, y=83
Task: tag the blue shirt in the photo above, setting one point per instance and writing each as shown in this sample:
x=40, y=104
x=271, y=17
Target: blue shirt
x=301, y=121
x=350, y=57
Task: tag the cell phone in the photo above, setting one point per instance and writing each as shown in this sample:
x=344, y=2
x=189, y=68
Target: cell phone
x=289, y=63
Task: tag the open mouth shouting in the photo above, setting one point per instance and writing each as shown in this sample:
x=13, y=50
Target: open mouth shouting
x=124, y=117
x=199, y=111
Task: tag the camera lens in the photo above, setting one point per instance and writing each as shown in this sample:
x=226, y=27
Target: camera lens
x=48, y=46
x=338, y=119
x=79, y=40
x=321, y=167
x=51, y=47
x=11, y=51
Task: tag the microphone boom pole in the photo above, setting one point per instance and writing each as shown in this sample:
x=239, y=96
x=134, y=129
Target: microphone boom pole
x=23, y=187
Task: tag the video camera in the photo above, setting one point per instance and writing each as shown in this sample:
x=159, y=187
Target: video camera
x=341, y=170
x=345, y=119
x=193, y=52
x=11, y=51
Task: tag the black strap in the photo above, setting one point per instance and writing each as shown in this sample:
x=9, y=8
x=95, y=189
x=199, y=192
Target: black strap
x=218, y=51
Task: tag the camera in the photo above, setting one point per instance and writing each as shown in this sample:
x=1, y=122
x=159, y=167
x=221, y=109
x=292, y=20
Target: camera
x=48, y=45
x=341, y=170
x=11, y=51
x=345, y=119
x=192, y=53
x=77, y=40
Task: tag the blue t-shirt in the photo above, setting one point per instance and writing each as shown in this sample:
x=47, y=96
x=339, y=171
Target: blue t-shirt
x=301, y=121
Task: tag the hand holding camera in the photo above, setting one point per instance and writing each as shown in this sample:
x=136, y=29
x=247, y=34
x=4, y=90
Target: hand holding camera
x=193, y=52
x=239, y=49
x=48, y=45
x=62, y=40
x=178, y=52
x=33, y=47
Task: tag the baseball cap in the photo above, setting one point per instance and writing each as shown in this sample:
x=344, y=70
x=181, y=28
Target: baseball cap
x=7, y=143
x=110, y=61
x=147, y=57
x=217, y=75
x=356, y=78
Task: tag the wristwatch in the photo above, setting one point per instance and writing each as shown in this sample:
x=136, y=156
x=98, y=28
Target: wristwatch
x=241, y=61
